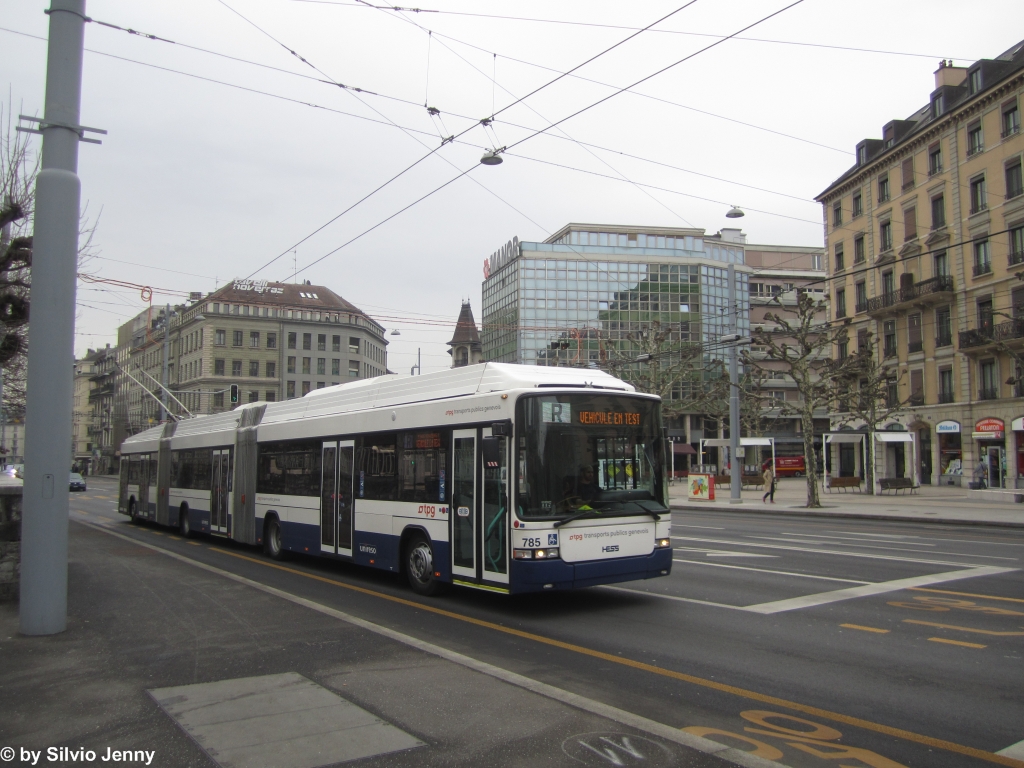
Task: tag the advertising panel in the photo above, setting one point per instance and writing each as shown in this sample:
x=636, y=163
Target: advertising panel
x=700, y=487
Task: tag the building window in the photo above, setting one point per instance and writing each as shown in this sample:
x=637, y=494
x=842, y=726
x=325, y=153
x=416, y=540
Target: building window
x=236, y=338
x=889, y=337
x=883, y=188
x=946, y=385
x=218, y=399
x=840, y=262
x=219, y=338
x=907, y=172
x=841, y=303
x=290, y=387
x=353, y=369
x=979, y=196
x=934, y=160
x=982, y=258
x=353, y=345
x=938, y=105
x=862, y=157
x=943, y=327
x=254, y=396
x=816, y=261
x=305, y=388
x=236, y=367
x=271, y=396
x=974, y=81
x=271, y=341
x=291, y=340
x=917, y=387
x=975, y=139
x=858, y=250
x=307, y=341
x=938, y=212
x=335, y=367
x=862, y=296
x=942, y=264
x=909, y=225
x=321, y=384
x=915, y=339
x=1014, y=180
x=1016, y=245
x=885, y=236
x=271, y=370
x=254, y=368
x=254, y=339
x=892, y=392
x=306, y=364
x=335, y=343
x=321, y=342
x=843, y=349
x=321, y=366
x=985, y=313
x=218, y=367
x=988, y=380
x=858, y=205
x=837, y=214
x=888, y=282
x=291, y=364
x=1011, y=120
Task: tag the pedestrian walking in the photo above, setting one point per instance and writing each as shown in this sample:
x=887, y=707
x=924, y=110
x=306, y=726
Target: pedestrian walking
x=769, y=483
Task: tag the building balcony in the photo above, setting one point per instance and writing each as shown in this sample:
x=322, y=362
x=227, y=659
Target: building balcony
x=1011, y=131
x=915, y=346
x=931, y=291
x=1015, y=258
x=1011, y=332
x=988, y=393
x=890, y=350
x=861, y=306
x=944, y=340
x=915, y=400
x=945, y=397
x=982, y=268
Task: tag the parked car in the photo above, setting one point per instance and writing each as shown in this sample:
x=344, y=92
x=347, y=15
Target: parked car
x=77, y=482
x=787, y=466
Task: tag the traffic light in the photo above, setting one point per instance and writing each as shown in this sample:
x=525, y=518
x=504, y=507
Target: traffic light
x=234, y=393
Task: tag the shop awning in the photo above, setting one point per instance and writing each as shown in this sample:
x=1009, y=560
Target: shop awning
x=723, y=442
x=684, y=448
x=844, y=437
x=894, y=437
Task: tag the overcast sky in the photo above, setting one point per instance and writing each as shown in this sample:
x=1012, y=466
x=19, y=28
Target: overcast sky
x=200, y=182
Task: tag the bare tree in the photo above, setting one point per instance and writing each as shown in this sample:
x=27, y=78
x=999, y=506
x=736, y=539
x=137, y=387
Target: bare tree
x=867, y=395
x=803, y=346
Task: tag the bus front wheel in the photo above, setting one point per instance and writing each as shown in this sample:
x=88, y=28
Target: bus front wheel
x=272, y=540
x=184, y=527
x=419, y=567
x=133, y=511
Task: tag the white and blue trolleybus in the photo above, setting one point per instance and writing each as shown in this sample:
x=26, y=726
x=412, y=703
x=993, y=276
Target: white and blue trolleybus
x=508, y=478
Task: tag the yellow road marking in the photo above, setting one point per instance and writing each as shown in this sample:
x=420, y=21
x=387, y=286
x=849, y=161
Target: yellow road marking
x=955, y=642
x=964, y=629
x=693, y=680
x=195, y=543
x=156, y=533
x=176, y=538
x=967, y=594
x=865, y=629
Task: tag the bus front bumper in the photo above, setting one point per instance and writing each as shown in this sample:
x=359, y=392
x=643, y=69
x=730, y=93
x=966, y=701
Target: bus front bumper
x=532, y=576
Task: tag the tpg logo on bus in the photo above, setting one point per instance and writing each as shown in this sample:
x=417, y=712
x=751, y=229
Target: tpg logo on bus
x=501, y=257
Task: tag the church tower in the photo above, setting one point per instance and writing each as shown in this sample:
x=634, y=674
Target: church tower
x=465, y=346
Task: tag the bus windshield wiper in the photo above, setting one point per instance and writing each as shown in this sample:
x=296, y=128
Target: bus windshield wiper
x=578, y=516
x=655, y=513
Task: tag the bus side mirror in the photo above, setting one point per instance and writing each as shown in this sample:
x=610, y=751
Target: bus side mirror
x=491, y=447
x=500, y=429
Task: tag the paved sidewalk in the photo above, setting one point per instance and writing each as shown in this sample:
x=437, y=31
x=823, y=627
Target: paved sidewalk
x=938, y=504
x=177, y=665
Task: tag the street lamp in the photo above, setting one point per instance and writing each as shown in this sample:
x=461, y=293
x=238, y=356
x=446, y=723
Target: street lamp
x=492, y=157
x=735, y=213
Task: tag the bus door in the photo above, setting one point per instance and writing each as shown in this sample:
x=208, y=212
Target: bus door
x=220, y=490
x=336, y=497
x=142, y=470
x=464, y=507
x=495, y=518
x=151, y=494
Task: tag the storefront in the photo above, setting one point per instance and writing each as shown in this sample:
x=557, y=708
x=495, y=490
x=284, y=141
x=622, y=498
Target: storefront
x=1017, y=427
x=950, y=452
x=990, y=434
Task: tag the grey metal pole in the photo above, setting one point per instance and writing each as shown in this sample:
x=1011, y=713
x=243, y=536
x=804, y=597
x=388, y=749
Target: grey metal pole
x=44, y=531
x=734, y=397
x=163, y=375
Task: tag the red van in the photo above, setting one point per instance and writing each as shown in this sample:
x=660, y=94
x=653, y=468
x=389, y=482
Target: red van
x=787, y=466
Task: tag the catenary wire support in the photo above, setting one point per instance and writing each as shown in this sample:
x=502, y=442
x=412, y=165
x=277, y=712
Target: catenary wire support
x=42, y=125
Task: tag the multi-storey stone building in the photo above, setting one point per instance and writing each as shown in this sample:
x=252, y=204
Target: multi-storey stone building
x=925, y=247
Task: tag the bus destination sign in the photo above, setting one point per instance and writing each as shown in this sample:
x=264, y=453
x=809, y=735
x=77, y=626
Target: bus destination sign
x=609, y=418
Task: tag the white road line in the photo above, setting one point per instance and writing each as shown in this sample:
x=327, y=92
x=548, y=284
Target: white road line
x=708, y=527
x=1016, y=751
x=891, y=549
x=768, y=570
x=829, y=552
x=881, y=588
x=937, y=538
x=737, y=554
x=673, y=597
x=850, y=538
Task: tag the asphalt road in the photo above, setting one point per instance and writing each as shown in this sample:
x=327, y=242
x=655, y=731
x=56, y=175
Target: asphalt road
x=810, y=641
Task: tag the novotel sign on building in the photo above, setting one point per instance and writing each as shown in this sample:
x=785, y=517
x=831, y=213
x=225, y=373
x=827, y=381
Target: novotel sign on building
x=501, y=257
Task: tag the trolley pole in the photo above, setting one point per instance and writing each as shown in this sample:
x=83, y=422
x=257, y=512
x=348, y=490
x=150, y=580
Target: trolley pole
x=734, y=396
x=44, y=537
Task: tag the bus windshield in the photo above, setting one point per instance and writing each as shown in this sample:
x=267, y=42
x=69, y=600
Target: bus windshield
x=590, y=453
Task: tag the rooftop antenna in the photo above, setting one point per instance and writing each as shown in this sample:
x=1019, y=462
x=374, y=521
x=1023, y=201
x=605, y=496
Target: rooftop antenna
x=295, y=263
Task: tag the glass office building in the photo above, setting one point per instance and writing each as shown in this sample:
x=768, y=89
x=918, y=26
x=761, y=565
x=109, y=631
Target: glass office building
x=572, y=298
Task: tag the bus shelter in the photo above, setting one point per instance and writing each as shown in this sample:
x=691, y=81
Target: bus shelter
x=890, y=464
x=830, y=439
x=724, y=442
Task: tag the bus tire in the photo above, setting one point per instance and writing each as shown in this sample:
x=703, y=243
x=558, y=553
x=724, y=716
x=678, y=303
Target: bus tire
x=272, y=539
x=133, y=511
x=419, y=566
x=184, y=527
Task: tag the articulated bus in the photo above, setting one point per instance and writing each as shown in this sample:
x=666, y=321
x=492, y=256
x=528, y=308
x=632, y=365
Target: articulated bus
x=508, y=478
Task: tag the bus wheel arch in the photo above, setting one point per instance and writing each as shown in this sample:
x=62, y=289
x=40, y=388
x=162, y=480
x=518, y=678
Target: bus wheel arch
x=184, y=525
x=272, y=543
x=418, y=561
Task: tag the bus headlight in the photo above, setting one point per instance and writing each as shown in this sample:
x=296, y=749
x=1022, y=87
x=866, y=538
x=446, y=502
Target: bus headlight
x=663, y=543
x=550, y=553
